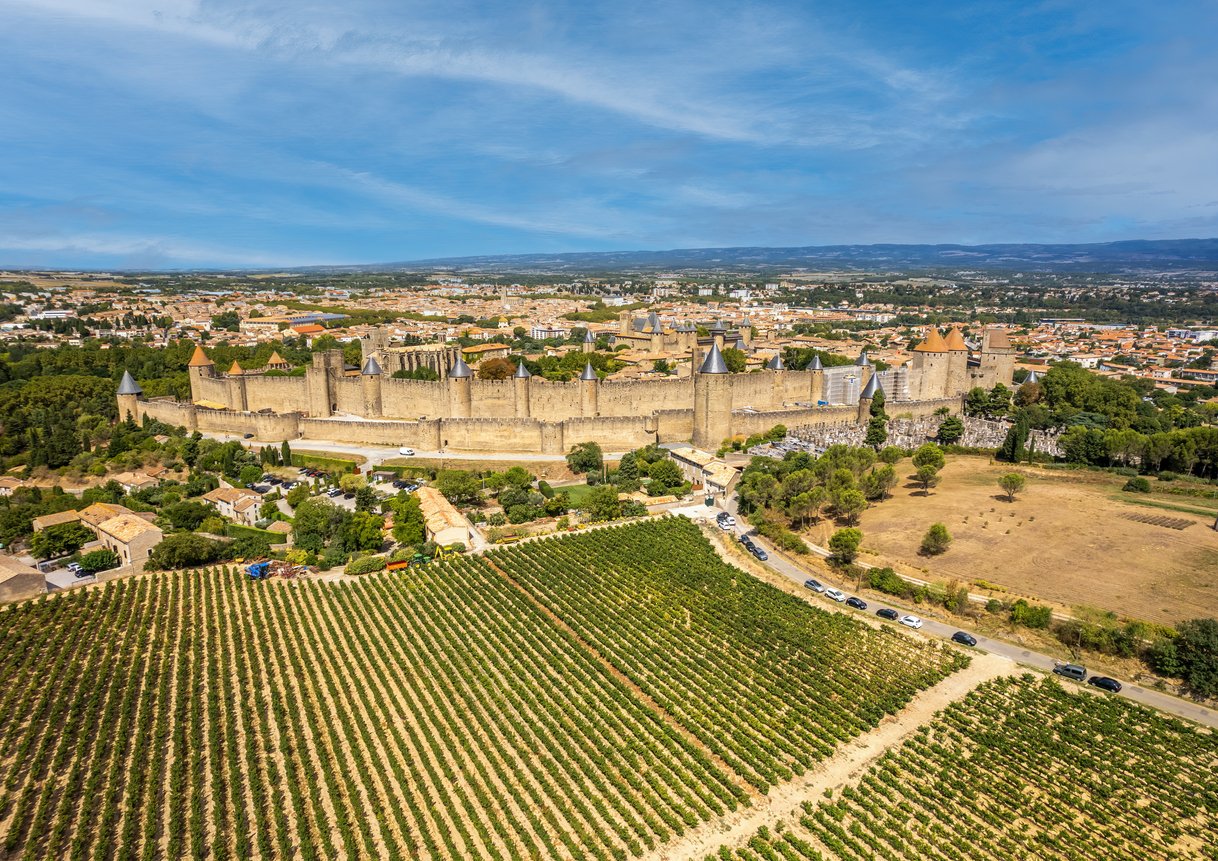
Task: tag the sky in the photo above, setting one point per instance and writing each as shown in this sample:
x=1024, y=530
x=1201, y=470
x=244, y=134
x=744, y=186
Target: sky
x=150, y=134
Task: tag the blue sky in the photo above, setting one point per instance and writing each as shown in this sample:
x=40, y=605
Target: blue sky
x=183, y=133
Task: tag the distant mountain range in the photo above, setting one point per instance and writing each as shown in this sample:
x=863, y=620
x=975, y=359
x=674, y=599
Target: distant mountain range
x=1143, y=255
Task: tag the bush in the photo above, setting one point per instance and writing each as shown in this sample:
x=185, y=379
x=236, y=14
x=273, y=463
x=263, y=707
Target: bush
x=187, y=550
x=1126, y=471
x=1167, y=475
x=1137, y=484
x=845, y=544
x=366, y=565
x=1030, y=615
x=886, y=580
x=99, y=560
x=936, y=540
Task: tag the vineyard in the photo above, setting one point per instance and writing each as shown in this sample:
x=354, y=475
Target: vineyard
x=1021, y=769
x=767, y=682
x=598, y=708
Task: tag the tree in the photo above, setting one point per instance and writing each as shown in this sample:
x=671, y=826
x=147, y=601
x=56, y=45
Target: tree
x=285, y=453
x=936, y=540
x=298, y=494
x=408, y=524
x=661, y=366
x=316, y=522
x=495, y=369
x=929, y=455
x=1012, y=448
x=99, y=560
x=1011, y=484
x=879, y=481
x=602, y=503
x=365, y=499
x=849, y=504
x=350, y=482
x=362, y=531
x=61, y=539
x=735, y=360
x=1197, y=653
x=249, y=475
x=877, y=432
x=585, y=457
x=976, y=402
x=845, y=544
x=928, y=477
x=807, y=504
x=187, y=550
x=459, y=487
x=187, y=515
x=891, y=454
x=667, y=473
x=950, y=431
x=228, y=320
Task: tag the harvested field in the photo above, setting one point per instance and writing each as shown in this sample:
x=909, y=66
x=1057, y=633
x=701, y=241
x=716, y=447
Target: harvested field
x=1068, y=538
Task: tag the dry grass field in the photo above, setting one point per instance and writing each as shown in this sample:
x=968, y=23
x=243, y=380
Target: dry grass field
x=1069, y=538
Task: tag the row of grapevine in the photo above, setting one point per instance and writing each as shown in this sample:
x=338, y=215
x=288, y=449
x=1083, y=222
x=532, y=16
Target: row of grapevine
x=438, y=715
x=1023, y=769
x=767, y=682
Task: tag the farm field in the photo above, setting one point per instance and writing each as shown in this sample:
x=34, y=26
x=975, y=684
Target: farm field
x=767, y=682
x=1071, y=538
x=440, y=714
x=1020, y=769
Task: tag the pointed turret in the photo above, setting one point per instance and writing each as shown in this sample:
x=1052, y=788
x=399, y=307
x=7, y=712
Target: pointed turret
x=776, y=363
x=460, y=370
x=954, y=340
x=862, y=361
x=275, y=360
x=371, y=367
x=236, y=370
x=653, y=322
x=932, y=343
x=588, y=373
x=816, y=364
x=588, y=339
x=522, y=373
x=713, y=364
x=128, y=385
x=869, y=390
x=199, y=359
x=1032, y=377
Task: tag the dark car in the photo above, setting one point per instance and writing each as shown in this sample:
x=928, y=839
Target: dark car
x=248, y=436
x=856, y=603
x=348, y=495
x=964, y=638
x=1105, y=683
x=82, y=574
x=885, y=613
x=746, y=541
x=814, y=585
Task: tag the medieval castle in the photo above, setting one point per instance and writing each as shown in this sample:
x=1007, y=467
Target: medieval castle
x=529, y=414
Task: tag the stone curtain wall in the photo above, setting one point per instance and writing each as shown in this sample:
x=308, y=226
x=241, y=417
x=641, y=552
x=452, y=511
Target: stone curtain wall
x=911, y=433
x=281, y=394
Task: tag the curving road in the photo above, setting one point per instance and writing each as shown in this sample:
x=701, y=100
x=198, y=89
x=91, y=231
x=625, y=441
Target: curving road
x=1158, y=700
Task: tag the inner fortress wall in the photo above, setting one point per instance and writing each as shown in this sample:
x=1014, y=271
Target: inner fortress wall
x=349, y=396
x=423, y=435
x=410, y=399
x=642, y=397
x=495, y=398
x=484, y=434
x=281, y=394
x=749, y=423
x=209, y=389
x=551, y=402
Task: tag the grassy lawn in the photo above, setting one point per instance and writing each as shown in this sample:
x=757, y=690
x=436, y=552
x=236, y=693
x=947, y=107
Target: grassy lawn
x=577, y=492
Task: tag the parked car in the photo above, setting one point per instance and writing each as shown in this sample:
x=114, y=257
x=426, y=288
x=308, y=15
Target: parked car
x=1071, y=671
x=81, y=574
x=73, y=567
x=406, y=452
x=856, y=603
x=836, y=594
x=964, y=638
x=887, y=613
x=759, y=553
x=744, y=539
x=911, y=622
x=725, y=526
x=814, y=585
x=248, y=436
x=1105, y=683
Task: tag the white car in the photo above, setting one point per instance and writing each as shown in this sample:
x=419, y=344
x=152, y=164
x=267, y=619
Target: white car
x=406, y=452
x=836, y=594
x=911, y=621
x=725, y=526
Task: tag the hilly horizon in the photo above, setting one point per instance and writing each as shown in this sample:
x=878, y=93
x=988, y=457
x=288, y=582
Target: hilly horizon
x=1136, y=254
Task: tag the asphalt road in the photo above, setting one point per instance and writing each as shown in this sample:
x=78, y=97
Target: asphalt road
x=1163, y=702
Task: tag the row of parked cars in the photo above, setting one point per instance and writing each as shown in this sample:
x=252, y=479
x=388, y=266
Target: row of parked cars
x=859, y=604
x=727, y=523
x=1078, y=673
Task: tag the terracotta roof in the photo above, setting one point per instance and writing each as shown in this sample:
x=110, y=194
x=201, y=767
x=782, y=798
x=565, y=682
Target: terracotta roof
x=308, y=329
x=933, y=343
x=998, y=339
x=276, y=359
x=55, y=519
x=236, y=370
x=126, y=527
x=100, y=511
x=955, y=341
x=199, y=359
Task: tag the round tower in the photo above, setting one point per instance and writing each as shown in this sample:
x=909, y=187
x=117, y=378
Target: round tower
x=589, y=344
x=712, y=402
x=867, y=397
x=589, y=382
x=460, y=390
x=199, y=368
x=931, y=359
x=957, y=363
x=128, y=395
x=778, y=380
x=236, y=388
x=520, y=387
x=865, y=369
x=370, y=382
x=816, y=370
